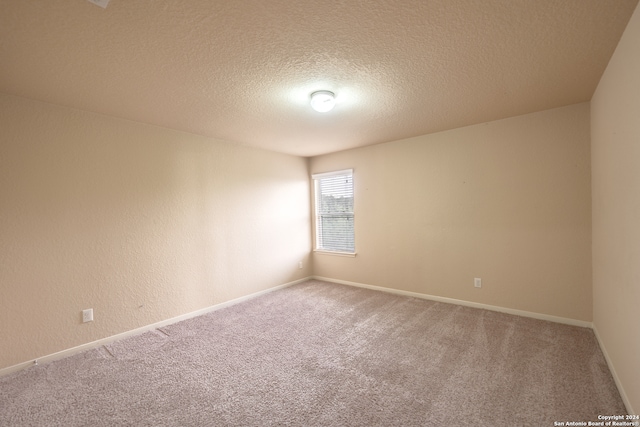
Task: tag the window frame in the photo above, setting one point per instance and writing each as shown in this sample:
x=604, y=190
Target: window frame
x=316, y=215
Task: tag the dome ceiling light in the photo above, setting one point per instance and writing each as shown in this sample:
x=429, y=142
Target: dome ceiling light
x=322, y=101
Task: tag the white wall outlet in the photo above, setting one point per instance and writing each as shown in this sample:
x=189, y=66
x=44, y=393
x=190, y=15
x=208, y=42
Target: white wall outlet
x=87, y=315
x=477, y=282
x=300, y=264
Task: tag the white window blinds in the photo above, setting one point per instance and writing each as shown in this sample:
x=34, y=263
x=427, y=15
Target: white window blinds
x=334, y=211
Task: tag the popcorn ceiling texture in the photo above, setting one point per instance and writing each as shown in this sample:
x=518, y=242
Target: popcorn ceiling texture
x=243, y=71
x=144, y=223
x=139, y=223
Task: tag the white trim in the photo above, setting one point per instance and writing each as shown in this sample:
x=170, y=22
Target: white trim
x=68, y=352
x=17, y=367
x=556, y=319
x=317, y=177
x=625, y=399
x=336, y=253
x=333, y=173
x=83, y=347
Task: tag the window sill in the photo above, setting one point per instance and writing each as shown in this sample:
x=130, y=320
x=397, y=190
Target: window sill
x=335, y=253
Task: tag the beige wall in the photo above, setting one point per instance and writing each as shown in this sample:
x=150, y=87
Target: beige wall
x=137, y=222
x=507, y=201
x=615, y=127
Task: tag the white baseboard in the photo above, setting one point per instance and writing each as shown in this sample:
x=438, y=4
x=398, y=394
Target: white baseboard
x=623, y=394
x=556, y=319
x=68, y=352
x=83, y=347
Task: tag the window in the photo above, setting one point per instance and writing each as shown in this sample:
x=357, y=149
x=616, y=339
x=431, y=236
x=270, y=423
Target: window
x=334, y=211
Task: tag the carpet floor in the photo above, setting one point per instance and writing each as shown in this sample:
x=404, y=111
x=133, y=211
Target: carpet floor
x=321, y=354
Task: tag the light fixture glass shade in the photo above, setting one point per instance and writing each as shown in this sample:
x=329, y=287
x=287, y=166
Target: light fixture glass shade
x=322, y=101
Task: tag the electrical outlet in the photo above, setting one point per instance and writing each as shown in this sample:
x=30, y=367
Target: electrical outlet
x=300, y=264
x=477, y=282
x=87, y=315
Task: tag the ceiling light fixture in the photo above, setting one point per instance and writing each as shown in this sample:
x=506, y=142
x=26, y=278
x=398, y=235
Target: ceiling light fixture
x=322, y=101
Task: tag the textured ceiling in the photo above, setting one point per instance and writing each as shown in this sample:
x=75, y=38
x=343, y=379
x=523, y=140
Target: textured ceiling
x=242, y=71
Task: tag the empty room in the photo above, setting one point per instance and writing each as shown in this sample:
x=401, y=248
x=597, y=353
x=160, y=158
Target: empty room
x=260, y=213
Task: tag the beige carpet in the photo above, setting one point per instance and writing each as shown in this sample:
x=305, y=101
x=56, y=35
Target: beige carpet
x=319, y=354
